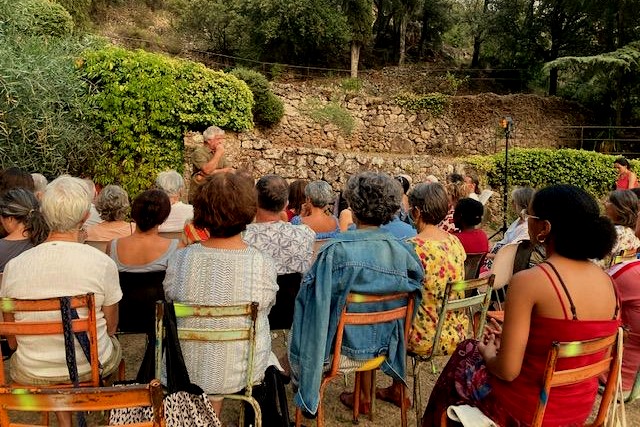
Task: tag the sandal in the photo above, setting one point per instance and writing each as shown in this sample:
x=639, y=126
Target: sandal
x=388, y=396
x=347, y=400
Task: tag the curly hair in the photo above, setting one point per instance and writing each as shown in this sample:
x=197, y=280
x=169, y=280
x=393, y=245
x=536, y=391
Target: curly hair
x=374, y=198
x=112, y=203
x=319, y=193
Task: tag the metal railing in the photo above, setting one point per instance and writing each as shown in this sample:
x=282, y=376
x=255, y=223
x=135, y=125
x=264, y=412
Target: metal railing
x=617, y=140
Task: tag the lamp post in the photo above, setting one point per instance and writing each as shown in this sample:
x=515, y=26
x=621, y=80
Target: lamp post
x=507, y=126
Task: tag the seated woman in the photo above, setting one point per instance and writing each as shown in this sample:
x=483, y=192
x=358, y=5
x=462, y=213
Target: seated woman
x=113, y=205
x=365, y=260
x=223, y=270
x=622, y=208
x=296, y=198
x=626, y=277
x=566, y=298
x=467, y=216
x=318, y=196
x=145, y=250
x=21, y=218
x=442, y=259
x=456, y=190
x=63, y=267
x=172, y=183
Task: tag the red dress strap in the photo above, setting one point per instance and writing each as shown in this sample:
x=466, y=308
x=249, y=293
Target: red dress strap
x=555, y=288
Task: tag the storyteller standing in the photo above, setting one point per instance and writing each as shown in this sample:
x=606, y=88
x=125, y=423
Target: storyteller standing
x=208, y=159
x=627, y=179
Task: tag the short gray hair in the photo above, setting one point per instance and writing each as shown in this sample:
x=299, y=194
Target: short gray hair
x=65, y=203
x=112, y=203
x=522, y=197
x=39, y=182
x=171, y=182
x=211, y=132
x=319, y=193
x=374, y=198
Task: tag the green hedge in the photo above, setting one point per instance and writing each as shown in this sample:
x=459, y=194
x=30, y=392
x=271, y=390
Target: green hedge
x=268, y=109
x=144, y=104
x=540, y=167
x=35, y=18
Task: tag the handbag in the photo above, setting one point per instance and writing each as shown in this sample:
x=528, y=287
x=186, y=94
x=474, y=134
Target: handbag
x=185, y=404
x=272, y=398
x=616, y=416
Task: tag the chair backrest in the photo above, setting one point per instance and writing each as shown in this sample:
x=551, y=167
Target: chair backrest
x=83, y=399
x=281, y=314
x=137, y=308
x=472, y=265
x=610, y=362
x=401, y=312
x=451, y=302
x=98, y=244
x=502, y=267
x=53, y=327
x=623, y=256
x=247, y=333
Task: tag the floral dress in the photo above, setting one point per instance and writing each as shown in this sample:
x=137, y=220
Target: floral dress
x=443, y=261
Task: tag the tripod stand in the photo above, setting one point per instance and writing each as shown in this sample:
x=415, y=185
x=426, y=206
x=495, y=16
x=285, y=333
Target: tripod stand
x=507, y=125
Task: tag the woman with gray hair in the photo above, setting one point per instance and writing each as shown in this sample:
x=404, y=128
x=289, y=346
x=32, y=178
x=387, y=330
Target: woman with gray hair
x=521, y=198
x=21, y=218
x=365, y=260
x=113, y=206
x=171, y=182
x=314, y=213
x=58, y=267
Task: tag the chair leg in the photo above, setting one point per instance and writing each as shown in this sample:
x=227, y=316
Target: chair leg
x=356, y=396
x=403, y=408
x=298, y=417
x=416, y=390
x=373, y=394
x=122, y=370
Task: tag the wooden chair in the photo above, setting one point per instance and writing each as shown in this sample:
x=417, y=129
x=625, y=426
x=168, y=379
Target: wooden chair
x=82, y=399
x=472, y=265
x=402, y=312
x=623, y=256
x=451, y=303
x=248, y=333
x=552, y=377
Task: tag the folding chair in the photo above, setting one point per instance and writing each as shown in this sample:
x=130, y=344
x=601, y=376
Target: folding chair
x=502, y=269
x=82, y=399
x=623, y=256
x=472, y=265
x=551, y=378
x=451, y=303
x=247, y=311
x=402, y=312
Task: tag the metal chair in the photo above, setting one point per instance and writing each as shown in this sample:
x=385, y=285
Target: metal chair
x=248, y=311
x=451, y=302
x=82, y=399
x=400, y=313
x=472, y=265
x=623, y=256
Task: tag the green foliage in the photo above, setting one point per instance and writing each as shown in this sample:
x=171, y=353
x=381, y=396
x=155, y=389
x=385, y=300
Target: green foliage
x=145, y=102
x=330, y=112
x=540, y=167
x=432, y=103
x=79, y=11
x=268, y=109
x=35, y=18
x=43, y=111
x=351, y=84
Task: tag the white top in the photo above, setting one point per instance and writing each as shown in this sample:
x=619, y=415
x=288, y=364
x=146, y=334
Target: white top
x=517, y=231
x=54, y=269
x=94, y=217
x=201, y=275
x=290, y=246
x=179, y=215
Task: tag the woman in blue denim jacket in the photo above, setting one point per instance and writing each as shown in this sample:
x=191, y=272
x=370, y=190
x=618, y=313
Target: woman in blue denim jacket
x=365, y=260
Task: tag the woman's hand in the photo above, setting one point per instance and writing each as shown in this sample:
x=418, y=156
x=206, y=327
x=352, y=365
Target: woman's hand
x=489, y=346
x=493, y=327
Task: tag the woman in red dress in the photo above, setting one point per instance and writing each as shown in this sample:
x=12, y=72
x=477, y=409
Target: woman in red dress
x=627, y=179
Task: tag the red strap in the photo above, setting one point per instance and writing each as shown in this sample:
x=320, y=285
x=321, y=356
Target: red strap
x=555, y=288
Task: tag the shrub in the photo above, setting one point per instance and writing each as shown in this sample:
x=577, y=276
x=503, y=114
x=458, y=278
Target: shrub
x=43, y=111
x=331, y=112
x=540, y=167
x=145, y=103
x=79, y=11
x=351, y=84
x=432, y=103
x=36, y=18
x=268, y=108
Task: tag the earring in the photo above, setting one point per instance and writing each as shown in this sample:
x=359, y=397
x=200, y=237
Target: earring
x=540, y=239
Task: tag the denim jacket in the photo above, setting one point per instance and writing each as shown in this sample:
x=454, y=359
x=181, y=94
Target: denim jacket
x=363, y=261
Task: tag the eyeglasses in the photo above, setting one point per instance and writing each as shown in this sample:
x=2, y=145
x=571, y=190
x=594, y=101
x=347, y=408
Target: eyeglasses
x=525, y=216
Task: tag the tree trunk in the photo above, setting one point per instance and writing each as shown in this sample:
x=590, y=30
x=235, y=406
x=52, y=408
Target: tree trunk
x=475, y=60
x=553, y=82
x=403, y=38
x=355, y=58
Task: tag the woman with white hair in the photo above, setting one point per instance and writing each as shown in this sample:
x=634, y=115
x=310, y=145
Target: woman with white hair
x=62, y=267
x=318, y=196
x=113, y=205
x=171, y=182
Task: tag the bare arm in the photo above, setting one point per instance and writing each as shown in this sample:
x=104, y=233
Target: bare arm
x=111, y=317
x=633, y=180
x=211, y=166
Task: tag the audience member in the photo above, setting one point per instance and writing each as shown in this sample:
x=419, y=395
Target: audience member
x=442, y=257
x=113, y=205
x=296, y=197
x=566, y=298
x=627, y=179
x=290, y=246
x=223, y=270
x=456, y=190
x=318, y=196
x=405, y=182
x=467, y=216
x=208, y=159
x=622, y=209
x=20, y=216
x=365, y=260
x=94, y=215
x=472, y=183
x=14, y=177
x=62, y=267
x=145, y=250
x=172, y=183
x=39, y=184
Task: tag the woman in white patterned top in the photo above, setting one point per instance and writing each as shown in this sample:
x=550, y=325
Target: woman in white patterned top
x=622, y=208
x=223, y=270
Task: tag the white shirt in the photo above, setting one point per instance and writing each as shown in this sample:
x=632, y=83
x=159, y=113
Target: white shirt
x=94, y=217
x=179, y=215
x=54, y=269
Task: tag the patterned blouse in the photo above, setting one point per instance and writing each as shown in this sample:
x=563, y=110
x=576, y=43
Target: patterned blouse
x=443, y=261
x=447, y=224
x=627, y=240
